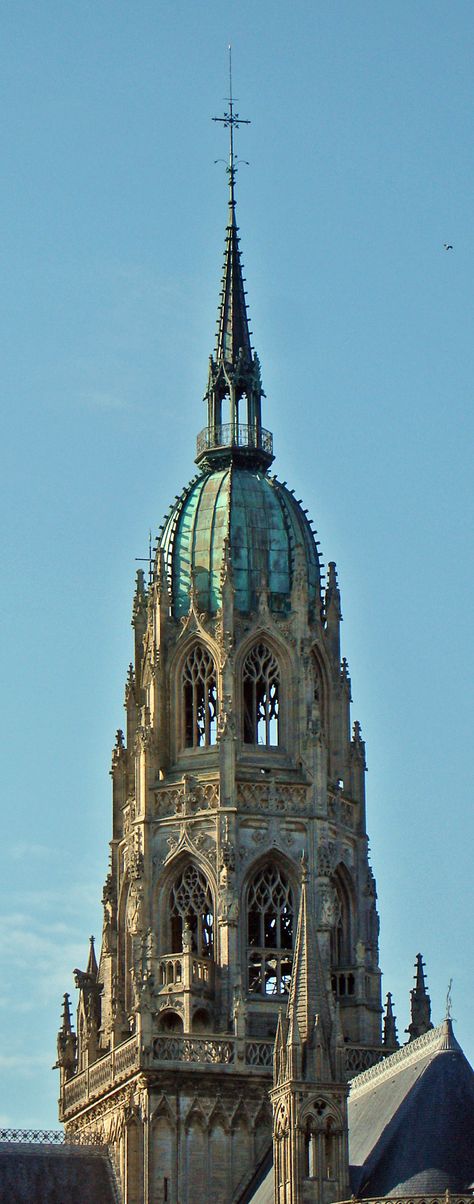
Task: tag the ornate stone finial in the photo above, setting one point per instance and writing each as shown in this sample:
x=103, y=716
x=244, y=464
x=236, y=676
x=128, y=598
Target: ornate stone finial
x=420, y=1004
x=333, y=596
x=139, y=598
x=390, y=1038
x=92, y=967
x=66, y=1042
x=119, y=739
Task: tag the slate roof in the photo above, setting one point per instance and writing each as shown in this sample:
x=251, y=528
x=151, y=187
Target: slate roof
x=411, y=1120
x=56, y=1174
x=411, y=1123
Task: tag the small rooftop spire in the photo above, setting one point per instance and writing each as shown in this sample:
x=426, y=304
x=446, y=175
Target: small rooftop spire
x=420, y=1003
x=390, y=1038
x=92, y=967
x=233, y=335
x=309, y=1011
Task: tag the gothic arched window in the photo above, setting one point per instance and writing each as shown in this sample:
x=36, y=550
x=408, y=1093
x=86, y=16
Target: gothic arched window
x=261, y=691
x=321, y=1144
x=199, y=698
x=270, y=919
x=191, y=913
x=341, y=935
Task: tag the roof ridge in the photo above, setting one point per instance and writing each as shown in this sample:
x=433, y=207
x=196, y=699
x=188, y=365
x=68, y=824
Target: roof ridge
x=437, y=1039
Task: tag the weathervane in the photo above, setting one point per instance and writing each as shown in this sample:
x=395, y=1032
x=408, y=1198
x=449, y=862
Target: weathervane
x=231, y=121
x=449, y=1001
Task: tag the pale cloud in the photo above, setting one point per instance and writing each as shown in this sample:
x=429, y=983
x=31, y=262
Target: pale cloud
x=22, y=851
x=77, y=899
x=100, y=399
x=40, y=953
x=25, y=1064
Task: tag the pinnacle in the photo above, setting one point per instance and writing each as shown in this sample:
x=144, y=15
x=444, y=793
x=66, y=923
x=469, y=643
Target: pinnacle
x=233, y=334
x=92, y=967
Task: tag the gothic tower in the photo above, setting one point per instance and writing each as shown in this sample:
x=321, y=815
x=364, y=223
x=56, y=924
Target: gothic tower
x=237, y=759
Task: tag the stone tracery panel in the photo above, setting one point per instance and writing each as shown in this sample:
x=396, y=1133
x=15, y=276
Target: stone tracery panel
x=199, y=694
x=261, y=696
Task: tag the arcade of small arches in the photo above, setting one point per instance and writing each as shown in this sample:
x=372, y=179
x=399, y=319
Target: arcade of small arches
x=260, y=697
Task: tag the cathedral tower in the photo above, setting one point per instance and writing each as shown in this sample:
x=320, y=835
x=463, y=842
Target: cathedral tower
x=237, y=760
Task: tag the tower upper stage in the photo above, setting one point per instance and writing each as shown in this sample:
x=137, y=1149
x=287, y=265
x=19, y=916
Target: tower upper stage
x=250, y=522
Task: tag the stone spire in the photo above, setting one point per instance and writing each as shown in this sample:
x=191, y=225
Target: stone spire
x=308, y=1003
x=390, y=1037
x=92, y=967
x=420, y=1003
x=66, y=1042
x=309, y=1095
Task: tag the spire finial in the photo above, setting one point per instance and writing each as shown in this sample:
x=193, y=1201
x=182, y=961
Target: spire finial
x=231, y=121
x=234, y=393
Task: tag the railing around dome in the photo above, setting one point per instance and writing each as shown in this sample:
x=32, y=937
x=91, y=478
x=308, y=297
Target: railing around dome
x=240, y=436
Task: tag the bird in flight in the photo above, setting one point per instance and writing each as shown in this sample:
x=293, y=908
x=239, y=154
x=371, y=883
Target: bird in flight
x=448, y=246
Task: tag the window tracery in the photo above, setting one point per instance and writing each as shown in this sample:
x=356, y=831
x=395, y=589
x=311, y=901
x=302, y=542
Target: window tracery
x=192, y=913
x=199, y=688
x=321, y=1145
x=341, y=935
x=261, y=696
x=270, y=913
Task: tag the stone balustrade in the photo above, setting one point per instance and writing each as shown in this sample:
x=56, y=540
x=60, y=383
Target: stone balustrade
x=185, y=972
x=211, y=1050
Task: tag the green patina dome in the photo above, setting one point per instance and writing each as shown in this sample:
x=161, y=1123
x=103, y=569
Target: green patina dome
x=264, y=526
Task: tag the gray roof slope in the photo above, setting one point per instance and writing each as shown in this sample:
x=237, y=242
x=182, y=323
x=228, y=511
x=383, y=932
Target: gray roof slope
x=411, y=1123
x=411, y=1120
x=55, y=1174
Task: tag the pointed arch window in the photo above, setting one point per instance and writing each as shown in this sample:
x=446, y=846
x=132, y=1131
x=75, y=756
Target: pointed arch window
x=321, y=1145
x=341, y=935
x=192, y=913
x=261, y=697
x=270, y=925
x=342, y=952
x=199, y=692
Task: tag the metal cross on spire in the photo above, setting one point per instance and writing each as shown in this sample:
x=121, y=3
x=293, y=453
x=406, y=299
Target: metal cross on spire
x=231, y=121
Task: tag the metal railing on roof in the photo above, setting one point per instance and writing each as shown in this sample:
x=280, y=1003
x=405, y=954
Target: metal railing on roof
x=240, y=436
x=442, y=1197
x=49, y=1137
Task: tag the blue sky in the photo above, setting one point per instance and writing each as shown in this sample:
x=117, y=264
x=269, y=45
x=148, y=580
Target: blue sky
x=112, y=216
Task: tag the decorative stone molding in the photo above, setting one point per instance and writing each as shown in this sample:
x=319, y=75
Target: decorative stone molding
x=273, y=796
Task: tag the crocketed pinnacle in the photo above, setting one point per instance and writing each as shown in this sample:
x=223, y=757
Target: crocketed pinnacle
x=420, y=1004
x=308, y=994
x=233, y=335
